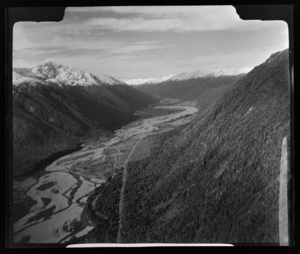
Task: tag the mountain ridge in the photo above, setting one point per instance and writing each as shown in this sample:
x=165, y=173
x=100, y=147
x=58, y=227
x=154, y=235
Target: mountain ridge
x=228, y=163
x=201, y=92
x=189, y=75
x=216, y=179
x=57, y=73
x=50, y=112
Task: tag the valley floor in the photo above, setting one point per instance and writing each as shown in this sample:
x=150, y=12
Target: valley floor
x=57, y=197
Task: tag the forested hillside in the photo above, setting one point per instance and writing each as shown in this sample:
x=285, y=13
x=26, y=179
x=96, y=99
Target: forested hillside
x=216, y=179
x=55, y=106
x=203, y=92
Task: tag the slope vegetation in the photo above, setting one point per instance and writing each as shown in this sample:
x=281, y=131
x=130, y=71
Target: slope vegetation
x=216, y=180
x=54, y=106
x=202, y=91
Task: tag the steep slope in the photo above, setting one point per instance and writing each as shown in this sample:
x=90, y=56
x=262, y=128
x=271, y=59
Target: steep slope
x=103, y=87
x=189, y=75
x=201, y=88
x=54, y=105
x=60, y=74
x=217, y=179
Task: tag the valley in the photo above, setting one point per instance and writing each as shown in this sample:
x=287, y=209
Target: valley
x=56, y=197
x=149, y=125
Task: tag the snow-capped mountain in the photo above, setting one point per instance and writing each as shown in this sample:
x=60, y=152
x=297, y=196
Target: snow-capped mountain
x=55, y=106
x=19, y=79
x=140, y=81
x=203, y=88
x=60, y=74
x=210, y=73
x=217, y=154
x=189, y=75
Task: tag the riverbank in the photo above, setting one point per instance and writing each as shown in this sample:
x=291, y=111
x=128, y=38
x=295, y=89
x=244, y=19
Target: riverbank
x=66, y=183
x=21, y=206
x=43, y=163
x=102, y=211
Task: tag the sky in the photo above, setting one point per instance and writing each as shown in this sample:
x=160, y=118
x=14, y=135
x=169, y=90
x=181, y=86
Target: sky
x=144, y=42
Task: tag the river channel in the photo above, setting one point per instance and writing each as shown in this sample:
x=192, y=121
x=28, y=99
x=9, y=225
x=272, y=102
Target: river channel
x=60, y=193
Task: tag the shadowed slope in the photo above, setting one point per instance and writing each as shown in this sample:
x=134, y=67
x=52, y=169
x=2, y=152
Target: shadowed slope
x=54, y=106
x=202, y=91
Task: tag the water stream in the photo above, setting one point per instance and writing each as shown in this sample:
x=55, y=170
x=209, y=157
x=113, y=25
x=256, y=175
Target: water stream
x=61, y=192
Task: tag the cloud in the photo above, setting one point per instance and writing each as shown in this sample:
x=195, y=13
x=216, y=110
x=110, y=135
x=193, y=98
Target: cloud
x=170, y=18
x=156, y=10
x=106, y=49
x=136, y=47
x=141, y=41
x=138, y=24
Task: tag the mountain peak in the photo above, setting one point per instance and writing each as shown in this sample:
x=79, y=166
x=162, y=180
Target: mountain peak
x=276, y=55
x=53, y=72
x=190, y=75
x=211, y=73
x=46, y=70
x=140, y=81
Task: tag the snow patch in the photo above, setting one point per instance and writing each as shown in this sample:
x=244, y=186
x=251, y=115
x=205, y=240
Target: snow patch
x=190, y=75
x=210, y=73
x=140, y=81
x=51, y=72
x=18, y=79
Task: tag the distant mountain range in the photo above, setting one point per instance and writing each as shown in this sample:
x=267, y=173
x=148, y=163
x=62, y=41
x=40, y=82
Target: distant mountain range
x=201, y=88
x=51, y=100
x=216, y=180
x=140, y=81
x=189, y=75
